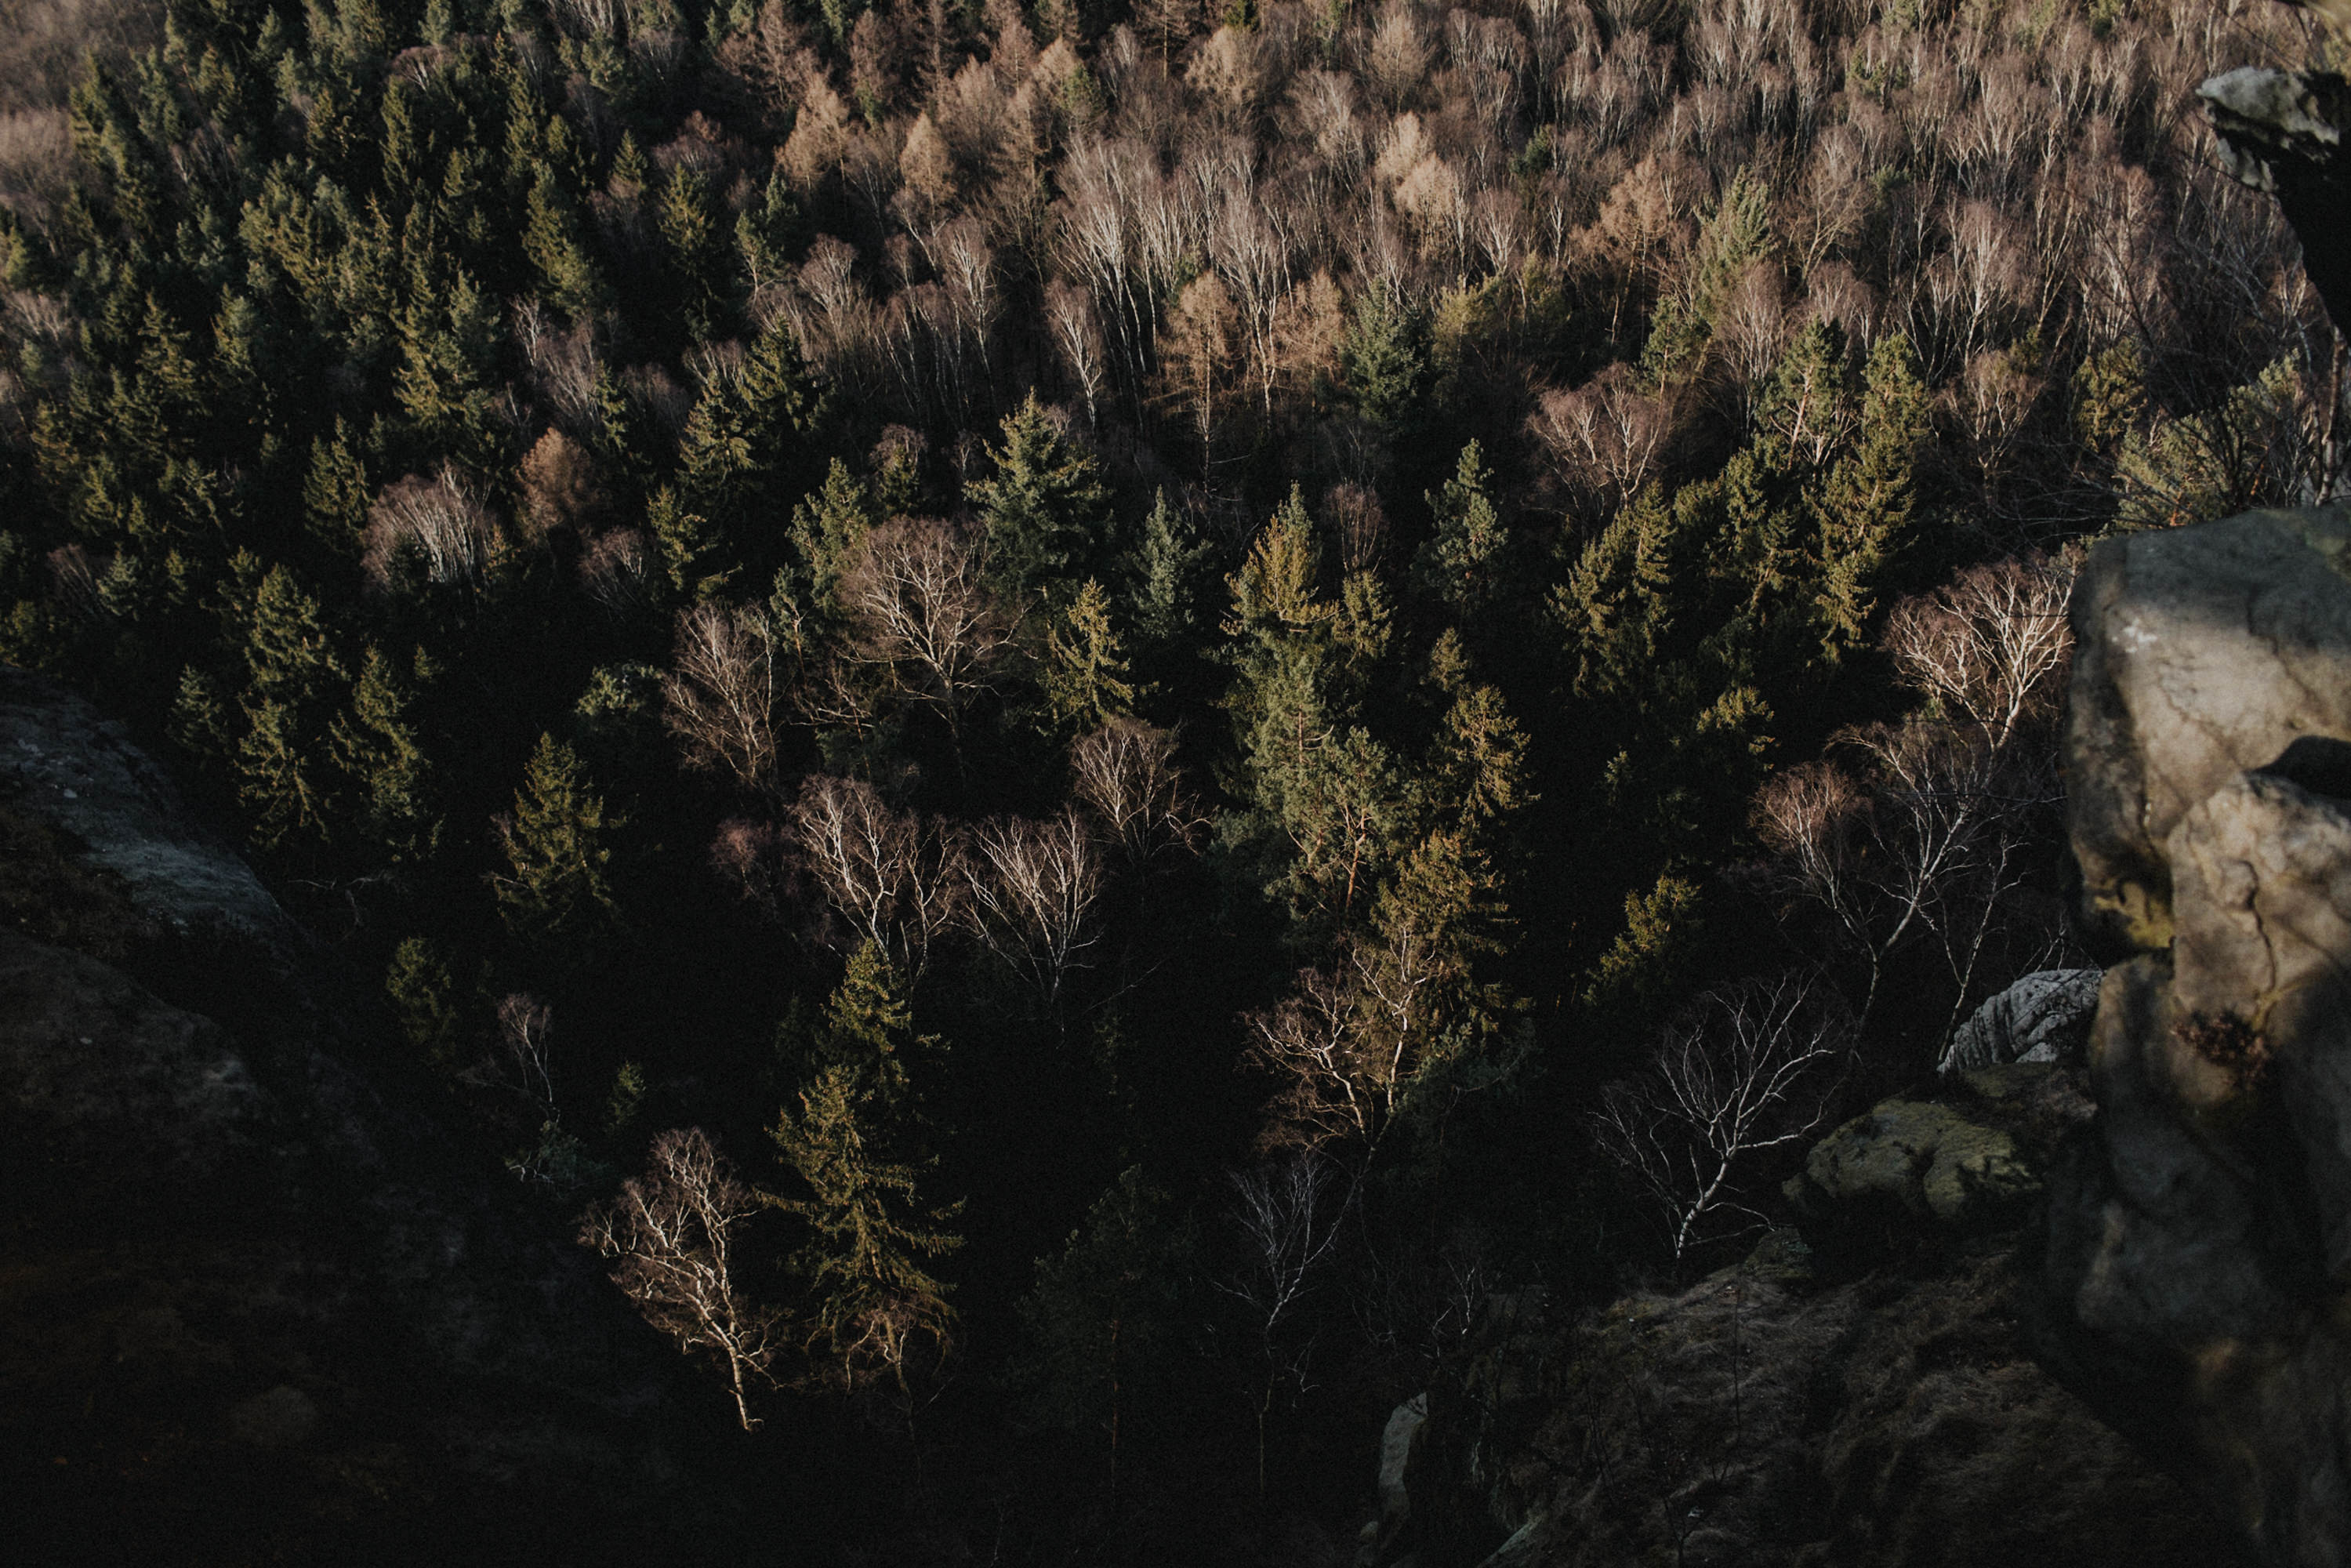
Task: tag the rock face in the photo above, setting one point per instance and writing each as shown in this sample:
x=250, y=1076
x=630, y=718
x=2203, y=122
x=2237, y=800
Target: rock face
x=2199, y=1261
x=1863, y=1399
x=2043, y=1016
x=254, y=1306
x=2281, y=131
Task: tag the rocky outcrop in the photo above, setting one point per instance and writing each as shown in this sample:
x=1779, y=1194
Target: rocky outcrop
x=2043, y=1017
x=2281, y=131
x=256, y=1303
x=1960, y=1161
x=2198, y=1263
x=1858, y=1394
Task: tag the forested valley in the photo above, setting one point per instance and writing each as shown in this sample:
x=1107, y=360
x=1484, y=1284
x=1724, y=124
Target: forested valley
x=1078, y=719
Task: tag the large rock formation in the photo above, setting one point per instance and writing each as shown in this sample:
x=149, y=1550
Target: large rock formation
x=2199, y=1251
x=1858, y=1395
x=256, y=1303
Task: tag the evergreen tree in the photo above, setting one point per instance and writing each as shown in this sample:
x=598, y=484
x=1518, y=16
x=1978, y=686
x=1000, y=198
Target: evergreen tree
x=876, y=1306
x=291, y=667
x=1171, y=566
x=1865, y=512
x=1085, y=673
x=1045, y=511
x=447, y=377
x=424, y=998
x=1103, y=1324
x=867, y=1028
x=696, y=249
x=827, y=529
x=743, y=448
x=556, y=886
x=1384, y=357
x=1461, y=565
x=376, y=747
x=334, y=493
x=550, y=238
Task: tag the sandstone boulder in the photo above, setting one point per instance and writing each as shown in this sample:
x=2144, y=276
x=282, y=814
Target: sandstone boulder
x=2200, y=1245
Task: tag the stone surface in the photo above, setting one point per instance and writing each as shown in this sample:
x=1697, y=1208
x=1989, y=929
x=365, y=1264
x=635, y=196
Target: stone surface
x=257, y=1304
x=2199, y=1262
x=1751, y=1422
x=1930, y=1158
x=1876, y=1410
x=1397, y=1441
x=2199, y=654
x=60, y=758
x=2043, y=1016
x=2283, y=131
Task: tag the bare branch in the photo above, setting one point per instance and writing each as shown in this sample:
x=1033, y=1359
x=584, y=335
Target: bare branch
x=672, y=1233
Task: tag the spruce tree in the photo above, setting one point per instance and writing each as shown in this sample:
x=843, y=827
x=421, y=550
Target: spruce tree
x=375, y=745
x=875, y=1301
x=1085, y=675
x=550, y=239
x=1865, y=512
x=1461, y=566
x=1172, y=565
x=334, y=493
x=556, y=886
x=867, y=1026
x=1046, y=510
x=827, y=529
x=291, y=668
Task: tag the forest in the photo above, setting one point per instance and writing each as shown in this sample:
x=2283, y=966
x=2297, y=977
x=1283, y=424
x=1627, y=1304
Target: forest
x=1078, y=718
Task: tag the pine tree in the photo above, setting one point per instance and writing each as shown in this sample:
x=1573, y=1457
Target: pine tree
x=1085, y=673
x=1045, y=511
x=1864, y=511
x=291, y=667
x=875, y=1301
x=1172, y=568
x=1461, y=564
x=375, y=745
x=556, y=886
x=334, y=493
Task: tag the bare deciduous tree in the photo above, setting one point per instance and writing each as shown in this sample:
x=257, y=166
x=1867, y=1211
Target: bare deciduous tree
x=525, y=1028
x=1126, y=771
x=1078, y=339
x=1289, y=1228
x=1032, y=888
x=1989, y=644
x=917, y=605
x=720, y=695
x=441, y=523
x=1747, y=1069
x=1312, y=1042
x=672, y=1233
x=894, y=880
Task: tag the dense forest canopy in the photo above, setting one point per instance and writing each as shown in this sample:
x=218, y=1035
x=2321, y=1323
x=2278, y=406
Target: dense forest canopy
x=1129, y=700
